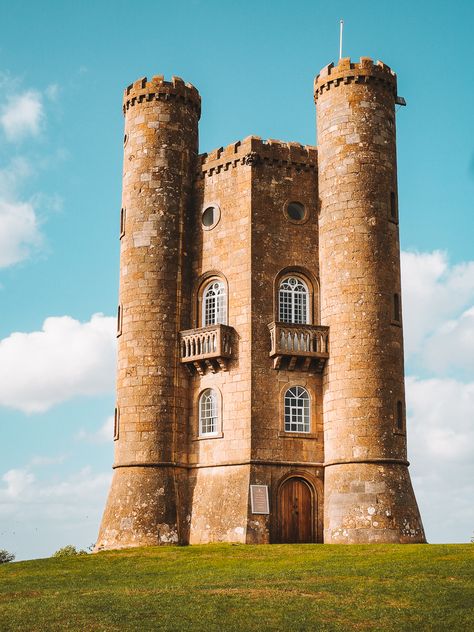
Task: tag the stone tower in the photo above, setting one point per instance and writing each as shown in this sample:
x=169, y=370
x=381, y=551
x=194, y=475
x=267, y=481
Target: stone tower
x=160, y=151
x=368, y=493
x=260, y=387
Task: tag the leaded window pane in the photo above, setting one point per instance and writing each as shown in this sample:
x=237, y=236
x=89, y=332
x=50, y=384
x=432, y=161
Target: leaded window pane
x=214, y=304
x=293, y=301
x=297, y=410
x=208, y=412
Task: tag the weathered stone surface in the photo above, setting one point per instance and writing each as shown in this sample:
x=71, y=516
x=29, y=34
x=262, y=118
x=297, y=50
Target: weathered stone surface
x=172, y=485
x=360, y=273
x=160, y=152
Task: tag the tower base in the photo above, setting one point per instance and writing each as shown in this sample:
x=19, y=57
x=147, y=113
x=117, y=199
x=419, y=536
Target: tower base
x=219, y=506
x=140, y=509
x=368, y=503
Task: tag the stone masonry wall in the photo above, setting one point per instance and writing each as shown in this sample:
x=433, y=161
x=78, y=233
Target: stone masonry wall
x=360, y=273
x=281, y=246
x=219, y=474
x=171, y=485
x=160, y=151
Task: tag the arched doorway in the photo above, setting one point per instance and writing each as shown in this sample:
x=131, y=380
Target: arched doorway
x=296, y=509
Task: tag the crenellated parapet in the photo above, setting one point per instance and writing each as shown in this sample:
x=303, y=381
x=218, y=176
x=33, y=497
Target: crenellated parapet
x=255, y=151
x=366, y=71
x=157, y=89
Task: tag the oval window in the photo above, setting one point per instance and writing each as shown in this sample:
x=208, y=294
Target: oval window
x=296, y=212
x=210, y=216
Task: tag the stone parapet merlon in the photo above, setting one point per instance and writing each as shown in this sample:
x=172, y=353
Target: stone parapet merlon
x=345, y=72
x=253, y=151
x=158, y=89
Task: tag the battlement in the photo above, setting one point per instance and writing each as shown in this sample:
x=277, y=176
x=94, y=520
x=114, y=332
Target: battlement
x=346, y=72
x=159, y=89
x=253, y=150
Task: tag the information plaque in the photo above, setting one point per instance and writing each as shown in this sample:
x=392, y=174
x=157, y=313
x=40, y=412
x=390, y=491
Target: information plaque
x=259, y=499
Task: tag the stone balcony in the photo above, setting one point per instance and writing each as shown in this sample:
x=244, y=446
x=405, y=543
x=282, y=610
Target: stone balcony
x=206, y=348
x=305, y=347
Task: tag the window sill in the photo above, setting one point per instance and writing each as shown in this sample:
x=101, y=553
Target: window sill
x=284, y=434
x=218, y=435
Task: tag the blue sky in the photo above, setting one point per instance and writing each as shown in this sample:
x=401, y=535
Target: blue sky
x=63, y=67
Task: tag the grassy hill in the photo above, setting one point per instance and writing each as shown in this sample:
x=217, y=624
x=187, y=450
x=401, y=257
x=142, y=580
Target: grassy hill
x=245, y=588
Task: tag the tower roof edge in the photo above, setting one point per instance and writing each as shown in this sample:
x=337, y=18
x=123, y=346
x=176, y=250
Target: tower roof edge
x=346, y=71
x=157, y=87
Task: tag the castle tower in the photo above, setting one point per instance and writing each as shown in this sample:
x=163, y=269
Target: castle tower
x=368, y=493
x=145, y=504
x=260, y=391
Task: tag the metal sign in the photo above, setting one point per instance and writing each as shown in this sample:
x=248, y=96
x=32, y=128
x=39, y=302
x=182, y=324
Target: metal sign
x=259, y=499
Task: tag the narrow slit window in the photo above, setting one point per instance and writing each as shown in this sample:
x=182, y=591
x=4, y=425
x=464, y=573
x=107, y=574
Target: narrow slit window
x=119, y=320
x=393, y=206
x=116, y=423
x=122, y=222
x=396, y=307
x=399, y=415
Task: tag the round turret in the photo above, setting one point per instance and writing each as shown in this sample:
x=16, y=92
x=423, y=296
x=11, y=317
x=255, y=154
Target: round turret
x=160, y=152
x=368, y=493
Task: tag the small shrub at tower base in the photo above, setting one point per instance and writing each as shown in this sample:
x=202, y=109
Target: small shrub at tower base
x=5, y=556
x=68, y=551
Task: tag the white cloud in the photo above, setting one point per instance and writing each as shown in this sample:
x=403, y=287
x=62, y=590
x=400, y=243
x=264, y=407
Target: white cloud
x=38, y=517
x=22, y=115
x=452, y=345
x=37, y=461
x=22, y=488
x=442, y=411
x=65, y=359
x=20, y=233
x=17, y=481
x=433, y=292
x=438, y=329
x=52, y=91
x=103, y=435
x=441, y=448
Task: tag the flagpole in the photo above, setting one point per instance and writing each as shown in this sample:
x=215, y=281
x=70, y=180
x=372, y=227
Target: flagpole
x=341, y=26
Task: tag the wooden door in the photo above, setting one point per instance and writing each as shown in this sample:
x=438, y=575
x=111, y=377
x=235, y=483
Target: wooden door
x=295, y=512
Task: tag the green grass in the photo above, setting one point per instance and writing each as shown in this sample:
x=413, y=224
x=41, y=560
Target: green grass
x=245, y=588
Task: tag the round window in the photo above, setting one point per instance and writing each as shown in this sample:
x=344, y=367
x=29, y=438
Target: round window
x=296, y=212
x=210, y=216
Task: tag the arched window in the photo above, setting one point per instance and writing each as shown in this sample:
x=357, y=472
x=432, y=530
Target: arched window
x=293, y=301
x=297, y=409
x=214, y=304
x=208, y=412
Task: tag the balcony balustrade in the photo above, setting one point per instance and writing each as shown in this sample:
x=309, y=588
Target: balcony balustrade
x=206, y=348
x=299, y=346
